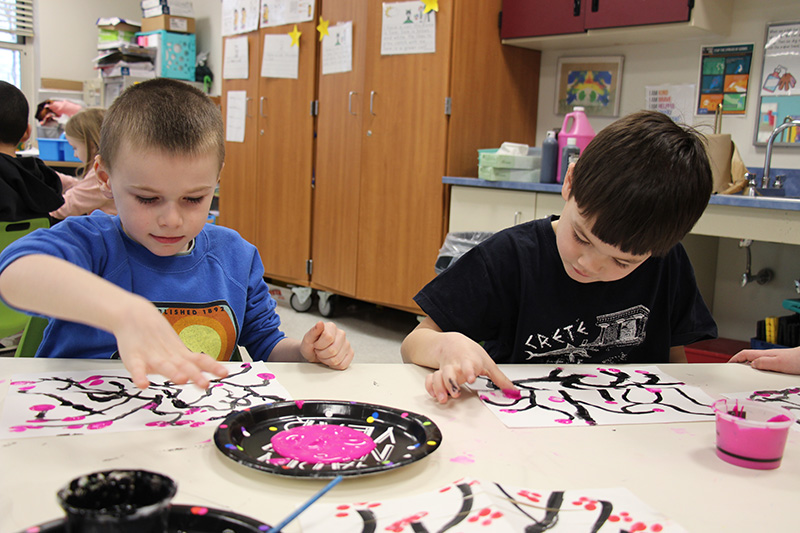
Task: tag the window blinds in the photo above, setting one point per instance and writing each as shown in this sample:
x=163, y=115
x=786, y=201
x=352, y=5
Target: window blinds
x=16, y=17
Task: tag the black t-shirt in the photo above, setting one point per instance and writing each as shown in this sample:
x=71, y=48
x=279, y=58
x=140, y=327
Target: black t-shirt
x=512, y=292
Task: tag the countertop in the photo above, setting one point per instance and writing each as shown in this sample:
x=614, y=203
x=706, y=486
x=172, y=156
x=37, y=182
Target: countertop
x=738, y=200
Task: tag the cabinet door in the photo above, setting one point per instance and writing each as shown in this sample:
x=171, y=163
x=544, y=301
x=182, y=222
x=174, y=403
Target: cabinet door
x=237, y=186
x=403, y=161
x=285, y=159
x=528, y=18
x=338, y=159
x=617, y=13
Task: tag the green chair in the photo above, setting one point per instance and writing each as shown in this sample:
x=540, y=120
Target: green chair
x=12, y=321
x=31, y=337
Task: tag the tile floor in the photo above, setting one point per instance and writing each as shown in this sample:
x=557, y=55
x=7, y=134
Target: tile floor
x=374, y=332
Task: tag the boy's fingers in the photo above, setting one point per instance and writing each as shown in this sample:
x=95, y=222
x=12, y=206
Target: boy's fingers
x=138, y=373
x=326, y=335
x=498, y=378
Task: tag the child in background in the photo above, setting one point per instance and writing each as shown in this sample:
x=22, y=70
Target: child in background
x=82, y=196
x=28, y=187
x=607, y=282
x=156, y=284
x=778, y=360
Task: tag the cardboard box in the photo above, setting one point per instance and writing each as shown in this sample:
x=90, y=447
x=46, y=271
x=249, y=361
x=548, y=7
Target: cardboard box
x=182, y=8
x=170, y=23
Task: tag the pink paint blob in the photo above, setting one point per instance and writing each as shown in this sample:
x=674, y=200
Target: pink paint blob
x=779, y=418
x=43, y=407
x=266, y=376
x=514, y=394
x=322, y=443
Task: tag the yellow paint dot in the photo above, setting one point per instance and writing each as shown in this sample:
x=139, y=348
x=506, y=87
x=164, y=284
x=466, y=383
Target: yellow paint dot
x=432, y=443
x=370, y=419
x=426, y=423
x=273, y=428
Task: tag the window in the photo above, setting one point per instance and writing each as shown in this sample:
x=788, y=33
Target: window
x=16, y=33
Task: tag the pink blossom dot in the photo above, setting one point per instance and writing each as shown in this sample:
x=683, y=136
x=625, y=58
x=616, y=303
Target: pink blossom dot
x=75, y=426
x=484, y=397
x=486, y=523
x=42, y=407
x=376, y=504
x=100, y=425
x=197, y=424
x=96, y=382
x=341, y=515
x=611, y=401
x=23, y=383
x=508, y=410
x=29, y=387
x=654, y=391
x=90, y=378
x=217, y=385
x=74, y=418
x=563, y=421
x=342, y=507
x=183, y=422
x=557, y=399
x=657, y=410
x=17, y=429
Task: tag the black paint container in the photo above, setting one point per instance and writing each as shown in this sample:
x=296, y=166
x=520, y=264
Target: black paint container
x=118, y=501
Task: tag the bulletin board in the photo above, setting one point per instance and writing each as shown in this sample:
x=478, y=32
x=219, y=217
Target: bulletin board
x=779, y=93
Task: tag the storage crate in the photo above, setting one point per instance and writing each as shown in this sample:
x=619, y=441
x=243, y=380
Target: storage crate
x=176, y=54
x=50, y=149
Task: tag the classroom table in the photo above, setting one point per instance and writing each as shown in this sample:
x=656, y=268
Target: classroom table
x=671, y=467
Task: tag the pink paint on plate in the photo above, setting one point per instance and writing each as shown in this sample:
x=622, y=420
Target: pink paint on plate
x=322, y=443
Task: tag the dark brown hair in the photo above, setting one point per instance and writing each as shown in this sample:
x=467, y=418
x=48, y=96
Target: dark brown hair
x=13, y=114
x=166, y=115
x=643, y=182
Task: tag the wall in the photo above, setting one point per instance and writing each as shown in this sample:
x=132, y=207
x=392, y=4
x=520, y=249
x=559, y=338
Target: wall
x=67, y=35
x=735, y=308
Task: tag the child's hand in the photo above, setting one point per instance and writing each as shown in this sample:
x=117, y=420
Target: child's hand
x=458, y=367
x=778, y=360
x=148, y=344
x=327, y=344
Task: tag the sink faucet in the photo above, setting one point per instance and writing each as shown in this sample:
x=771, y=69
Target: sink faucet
x=768, y=156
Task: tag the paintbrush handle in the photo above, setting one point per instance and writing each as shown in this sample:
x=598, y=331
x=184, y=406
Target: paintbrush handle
x=306, y=505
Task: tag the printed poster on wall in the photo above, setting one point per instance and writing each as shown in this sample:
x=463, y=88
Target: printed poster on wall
x=724, y=76
x=236, y=63
x=279, y=12
x=235, y=116
x=675, y=101
x=779, y=93
x=239, y=16
x=337, y=49
x=407, y=29
x=280, y=59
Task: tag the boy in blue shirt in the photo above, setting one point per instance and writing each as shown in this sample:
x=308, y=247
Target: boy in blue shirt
x=156, y=283
x=607, y=282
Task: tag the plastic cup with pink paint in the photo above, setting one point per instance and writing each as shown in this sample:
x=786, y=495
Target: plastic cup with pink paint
x=118, y=501
x=751, y=434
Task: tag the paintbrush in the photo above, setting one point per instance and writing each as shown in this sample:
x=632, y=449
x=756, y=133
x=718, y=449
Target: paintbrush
x=306, y=505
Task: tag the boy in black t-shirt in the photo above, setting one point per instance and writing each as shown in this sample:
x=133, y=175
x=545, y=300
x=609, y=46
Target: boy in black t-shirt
x=607, y=282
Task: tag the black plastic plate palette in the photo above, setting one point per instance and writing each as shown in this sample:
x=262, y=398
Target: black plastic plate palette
x=401, y=437
x=184, y=519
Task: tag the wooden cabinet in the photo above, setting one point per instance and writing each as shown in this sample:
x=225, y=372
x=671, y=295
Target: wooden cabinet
x=390, y=129
x=266, y=184
x=543, y=24
x=385, y=134
x=532, y=18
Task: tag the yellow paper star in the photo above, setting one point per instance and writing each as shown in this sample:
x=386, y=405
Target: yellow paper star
x=295, y=35
x=431, y=5
x=322, y=28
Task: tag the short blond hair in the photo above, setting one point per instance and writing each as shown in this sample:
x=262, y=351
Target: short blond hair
x=166, y=115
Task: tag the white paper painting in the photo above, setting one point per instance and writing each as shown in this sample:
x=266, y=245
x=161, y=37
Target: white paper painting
x=788, y=398
x=337, y=49
x=407, y=29
x=557, y=396
x=81, y=402
x=471, y=505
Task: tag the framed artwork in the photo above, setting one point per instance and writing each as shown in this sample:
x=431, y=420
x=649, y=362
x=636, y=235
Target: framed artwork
x=778, y=91
x=591, y=82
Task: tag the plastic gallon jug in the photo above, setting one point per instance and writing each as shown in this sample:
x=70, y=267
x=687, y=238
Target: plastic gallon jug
x=576, y=126
x=549, y=158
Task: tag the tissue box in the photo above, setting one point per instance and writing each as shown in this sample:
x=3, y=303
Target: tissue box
x=506, y=167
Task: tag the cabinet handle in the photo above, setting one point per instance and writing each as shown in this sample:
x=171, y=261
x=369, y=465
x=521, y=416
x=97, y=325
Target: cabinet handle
x=517, y=217
x=247, y=107
x=576, y=8
x=261, y=106
x=350, y=102
x=595, y=5
x=371, y=100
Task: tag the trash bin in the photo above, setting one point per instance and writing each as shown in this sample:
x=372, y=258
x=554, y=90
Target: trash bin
x=457, y=244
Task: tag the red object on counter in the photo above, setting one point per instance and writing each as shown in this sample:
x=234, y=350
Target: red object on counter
x=714, y=350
